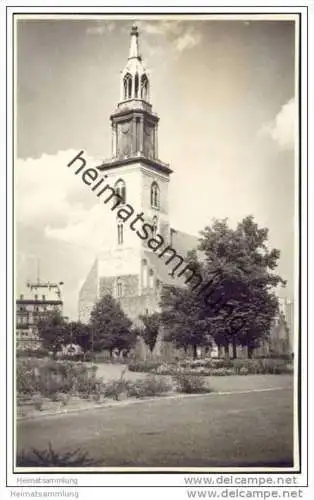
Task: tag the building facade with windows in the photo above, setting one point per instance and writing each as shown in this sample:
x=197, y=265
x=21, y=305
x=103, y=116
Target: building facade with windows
x=126, y=267
x=40, y=299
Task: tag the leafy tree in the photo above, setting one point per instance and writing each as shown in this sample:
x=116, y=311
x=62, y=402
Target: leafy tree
x=245, y=291
x=151, y=328
x=235, y=303
x=111, y=326
x=52, y=331
x=183, y=313
x=184, y=319
x=80, y=334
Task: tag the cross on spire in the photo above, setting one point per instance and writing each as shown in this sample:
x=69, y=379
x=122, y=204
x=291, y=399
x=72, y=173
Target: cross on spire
x=134, y=46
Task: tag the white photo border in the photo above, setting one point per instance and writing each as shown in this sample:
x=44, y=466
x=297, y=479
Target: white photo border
x=165, y=478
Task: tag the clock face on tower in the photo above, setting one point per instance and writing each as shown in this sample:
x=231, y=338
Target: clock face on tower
x=124, y=144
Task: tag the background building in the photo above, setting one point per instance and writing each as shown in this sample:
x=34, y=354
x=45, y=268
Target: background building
x=286, y=308
x=40, y=299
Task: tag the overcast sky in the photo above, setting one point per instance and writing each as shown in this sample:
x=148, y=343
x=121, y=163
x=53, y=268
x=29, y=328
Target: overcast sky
x=224, y=92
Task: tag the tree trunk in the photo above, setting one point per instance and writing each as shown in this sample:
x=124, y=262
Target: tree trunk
x=226, y=349
x=194, y=352
x=234, y=349
x=250, y=351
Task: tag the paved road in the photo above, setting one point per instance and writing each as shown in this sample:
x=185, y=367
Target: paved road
x=238, y=429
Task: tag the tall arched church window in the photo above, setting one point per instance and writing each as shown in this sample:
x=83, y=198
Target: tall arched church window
x=145, y=273
x=120, y=190
x=120, y=233
x=154, y=195
x=144, y=87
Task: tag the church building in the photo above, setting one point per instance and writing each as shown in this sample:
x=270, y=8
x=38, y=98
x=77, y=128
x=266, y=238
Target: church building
x=126, y=267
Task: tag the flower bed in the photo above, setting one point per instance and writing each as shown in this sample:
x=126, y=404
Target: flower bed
x=48, y=385
x=217, y=367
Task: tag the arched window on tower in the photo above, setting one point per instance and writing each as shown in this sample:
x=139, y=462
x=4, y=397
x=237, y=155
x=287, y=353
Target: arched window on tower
x=120, y=189
x=127, y=85
x=136, y=85
x=144, y=87
x=154, y=195
x=130, y=88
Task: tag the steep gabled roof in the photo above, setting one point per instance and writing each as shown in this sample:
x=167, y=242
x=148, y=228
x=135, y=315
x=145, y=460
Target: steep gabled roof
x=182, y=243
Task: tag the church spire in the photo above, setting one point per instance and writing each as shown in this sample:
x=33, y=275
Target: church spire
x=134, y=48
x=134, y=78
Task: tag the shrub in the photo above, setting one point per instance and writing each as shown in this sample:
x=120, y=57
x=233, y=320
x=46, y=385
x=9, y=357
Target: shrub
x=51, y=458
x=26, y=382
x=149, y=387
x=32, y=353
x=243, y=370
x=37, y=401
x=221, y=363
x=272, y=355
x=251, y=365
x=274, y=366
x=116, y=389
x=221, y=372
x=50, y=377
x=89, y=356
x=261, y=366
x=190, y=384
x=144, y=366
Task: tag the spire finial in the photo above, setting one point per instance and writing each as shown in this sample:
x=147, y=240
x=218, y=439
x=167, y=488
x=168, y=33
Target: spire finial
x=134, y=50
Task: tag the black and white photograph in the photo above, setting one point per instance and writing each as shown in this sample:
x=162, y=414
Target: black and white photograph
x=156, y=242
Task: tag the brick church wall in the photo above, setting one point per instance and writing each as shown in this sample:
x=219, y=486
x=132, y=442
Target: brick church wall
x=132, y=303
x=106, y=286
x=130, y=284
x=139, y=305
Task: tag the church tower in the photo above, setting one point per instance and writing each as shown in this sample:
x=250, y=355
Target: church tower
x=124, y=267
x=134, y=169
x=134, y=125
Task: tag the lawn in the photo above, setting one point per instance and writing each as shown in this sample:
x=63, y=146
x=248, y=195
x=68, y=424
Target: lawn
x=236, y=428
